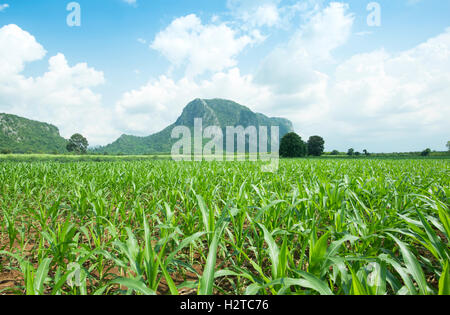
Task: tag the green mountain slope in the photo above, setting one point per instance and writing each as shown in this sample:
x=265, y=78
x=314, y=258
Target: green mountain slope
x=214, y=112
x=21, y=135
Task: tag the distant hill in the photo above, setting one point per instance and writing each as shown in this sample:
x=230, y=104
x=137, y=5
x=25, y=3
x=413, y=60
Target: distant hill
x=21, y=135
x=214, y=112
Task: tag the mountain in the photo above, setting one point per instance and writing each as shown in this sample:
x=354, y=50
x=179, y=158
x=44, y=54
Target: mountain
x=21, y=135
x=214, y=112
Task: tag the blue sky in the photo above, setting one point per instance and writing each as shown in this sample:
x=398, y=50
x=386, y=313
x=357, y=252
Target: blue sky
x=133, y=65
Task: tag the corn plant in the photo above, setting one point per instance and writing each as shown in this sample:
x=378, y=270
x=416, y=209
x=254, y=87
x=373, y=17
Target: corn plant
x=319, y=226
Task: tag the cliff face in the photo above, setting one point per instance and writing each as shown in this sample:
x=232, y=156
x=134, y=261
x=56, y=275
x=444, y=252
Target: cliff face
x=21, y=135
x=214, y=112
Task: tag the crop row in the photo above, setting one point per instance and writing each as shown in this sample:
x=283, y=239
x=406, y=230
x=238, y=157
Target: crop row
x=160, y=227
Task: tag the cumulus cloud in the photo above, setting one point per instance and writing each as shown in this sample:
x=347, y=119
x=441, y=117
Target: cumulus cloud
x=62, y=96
x=17, y=48
x=201, y=48
x=254, y=14
x=403, y=95
x=155, y=105
x=295, y=65
x=376, y=101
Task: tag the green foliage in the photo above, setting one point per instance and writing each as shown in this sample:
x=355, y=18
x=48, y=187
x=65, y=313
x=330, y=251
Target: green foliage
x=317, y=226
x=316, y=146
x=444, y=282
x=292, y=146
x=351, y=152
x=78, y=144
x=21, y=135
x=335, y=152
x=426, y=152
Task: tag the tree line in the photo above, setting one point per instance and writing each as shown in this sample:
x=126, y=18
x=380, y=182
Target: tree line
x=293, y=146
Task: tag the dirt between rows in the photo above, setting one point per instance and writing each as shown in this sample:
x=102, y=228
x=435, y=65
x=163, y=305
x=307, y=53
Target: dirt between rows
x=12, y=281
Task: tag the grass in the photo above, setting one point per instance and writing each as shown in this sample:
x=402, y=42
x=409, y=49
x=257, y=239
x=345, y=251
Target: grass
x=317, y=226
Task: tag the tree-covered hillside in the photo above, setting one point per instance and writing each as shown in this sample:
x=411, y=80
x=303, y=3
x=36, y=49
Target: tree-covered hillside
x=214, y=112
x=21, y=135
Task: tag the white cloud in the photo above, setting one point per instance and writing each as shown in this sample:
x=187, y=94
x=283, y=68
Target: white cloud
x=294, y=65
x=157, y=104
x=378, y=101
x=256, y=13
x=325, y=31
x=3, y=7
x=17, y=48
x=201, y=48
x=131, y=2
x=62, y=96
x=402, y=95
x=142, y=41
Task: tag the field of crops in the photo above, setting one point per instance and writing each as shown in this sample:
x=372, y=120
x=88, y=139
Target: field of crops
x=161, y=227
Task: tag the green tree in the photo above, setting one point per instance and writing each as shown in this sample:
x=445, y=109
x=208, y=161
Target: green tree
x=78, y=144
x=351, y=152
x=335, y=152
x=448, y=146
x=366, y=153
x=426, y=152
x=316, y=146
x=292, y=146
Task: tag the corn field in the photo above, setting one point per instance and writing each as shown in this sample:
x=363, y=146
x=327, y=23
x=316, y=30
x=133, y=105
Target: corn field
x=331, y=227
